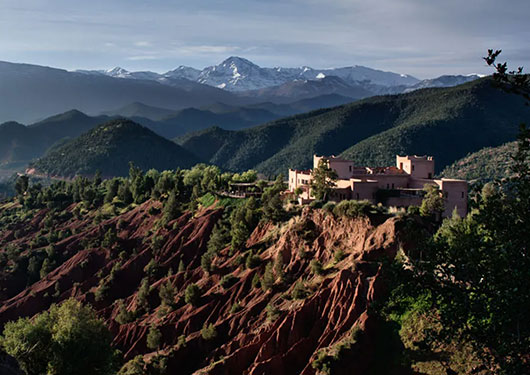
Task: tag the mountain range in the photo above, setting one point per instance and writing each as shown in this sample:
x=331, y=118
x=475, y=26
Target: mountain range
x=447, y=123
x=30, y=92
x=109, y=148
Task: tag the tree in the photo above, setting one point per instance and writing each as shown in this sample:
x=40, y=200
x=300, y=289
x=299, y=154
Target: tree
x=154, y=338
x=478, y=267
x=192, y=294
x=67, y=339
x=167, y=293
x=272, y=202
x=433, y=202
x=21, y=185
x=171, y=207
x=323, y=180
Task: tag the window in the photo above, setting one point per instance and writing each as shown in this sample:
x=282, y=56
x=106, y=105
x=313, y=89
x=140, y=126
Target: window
x=392, y=186
x=462, y=194
x=413, y=168
x=357, y=195
x=388, y=186
x=430, y=176
x=400, y=165
x=350, y=168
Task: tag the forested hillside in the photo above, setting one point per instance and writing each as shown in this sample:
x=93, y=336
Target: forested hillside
x=109, y=148
x=447, y=123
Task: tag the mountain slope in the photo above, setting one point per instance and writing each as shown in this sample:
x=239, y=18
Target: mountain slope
x=447, y=123
x=109, y=148
x=20, y=144
x=32, y=92
x=485, y=165
x=140, y=110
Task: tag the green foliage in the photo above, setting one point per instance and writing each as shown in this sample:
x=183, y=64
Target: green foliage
x=167, y=294
x=268, y=280
x=299, y=290
x=120, y=141
x=236, y=307
x=192, y=294
x=438, y=122
x=354, y=208
x=272, y=202
x=143, y=295
x=154, y=338
x=316, y=267
x=323, y=180
x=124, y=316
x=433, y=202
x=228, y=280
x=208, y=332
x=67, y=339
x=252, y=260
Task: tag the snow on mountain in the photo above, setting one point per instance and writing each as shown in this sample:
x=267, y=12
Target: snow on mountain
x=238, y=74
x=184, y=72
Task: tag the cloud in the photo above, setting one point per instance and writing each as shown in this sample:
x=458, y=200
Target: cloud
x=417, y=37
x=142, y=44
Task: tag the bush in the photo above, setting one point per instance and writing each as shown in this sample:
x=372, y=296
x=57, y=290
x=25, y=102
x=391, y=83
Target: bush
x=154, y=338
x=208, y=332
x=228, y=280
x=192, y=294
x=339, y=255
x=329, y=207
x=316, y=267
x=299, y=291
x=354, y=208
x=267, y=283
x=68, y=339
x=236, y=307
x=252, y=261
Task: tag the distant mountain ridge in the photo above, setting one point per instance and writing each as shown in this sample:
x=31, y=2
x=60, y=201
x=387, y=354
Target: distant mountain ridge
x=109, y=148
x=240, y=75
x=447, y=123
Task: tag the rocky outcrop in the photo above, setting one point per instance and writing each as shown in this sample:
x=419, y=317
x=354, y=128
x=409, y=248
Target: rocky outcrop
x=258, y=331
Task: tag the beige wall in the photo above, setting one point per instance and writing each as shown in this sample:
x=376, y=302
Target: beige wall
x=344, y=168
x=416, y=166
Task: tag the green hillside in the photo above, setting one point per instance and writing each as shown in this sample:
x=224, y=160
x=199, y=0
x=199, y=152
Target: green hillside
x=109, y=148
x=20, y=144
x=485, y=165
x=447, y=123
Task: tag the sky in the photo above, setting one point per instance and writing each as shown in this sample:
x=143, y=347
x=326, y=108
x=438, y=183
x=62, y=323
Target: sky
x=424, y=38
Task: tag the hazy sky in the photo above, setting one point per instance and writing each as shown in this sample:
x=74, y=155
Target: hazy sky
x=425, y=38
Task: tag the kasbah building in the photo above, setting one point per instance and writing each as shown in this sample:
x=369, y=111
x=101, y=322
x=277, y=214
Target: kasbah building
x=397, y=187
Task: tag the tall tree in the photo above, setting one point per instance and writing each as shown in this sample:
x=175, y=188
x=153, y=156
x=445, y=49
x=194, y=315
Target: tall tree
x=323, y=180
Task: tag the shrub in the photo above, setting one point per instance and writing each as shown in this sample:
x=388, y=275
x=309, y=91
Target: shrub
x=192, y=294
x=316, y=267
x=154, y=338
x=68, y=339
x=228, y=280
x=208, y=332
x=272, y=312
x=299, y=291
x=123, y=315
x=267, y=283
x=236, y=307
x=252, y=261
x=206, y=262
x=167, y=294
x=329, y=207
x=353, y=208
x=339, y=255
x=256, y=281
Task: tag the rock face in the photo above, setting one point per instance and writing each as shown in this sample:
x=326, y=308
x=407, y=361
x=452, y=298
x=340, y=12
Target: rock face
x=257, y=331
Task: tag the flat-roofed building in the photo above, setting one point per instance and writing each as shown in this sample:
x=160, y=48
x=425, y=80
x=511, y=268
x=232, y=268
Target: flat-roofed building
x=397, y=186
